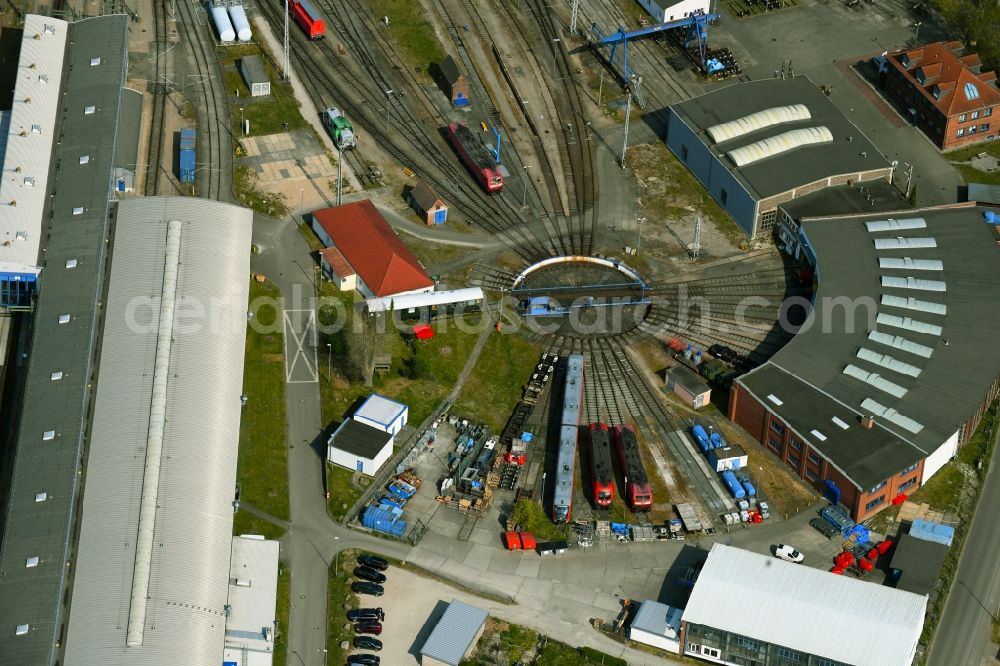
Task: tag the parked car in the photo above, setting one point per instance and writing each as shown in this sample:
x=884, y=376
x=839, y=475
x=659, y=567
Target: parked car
x=363, y=660
x=374, y=628
x=367, y=643
x=359, y=614
x=367, y=573
x=364, y=587
x=788, y=553
x=374, y=562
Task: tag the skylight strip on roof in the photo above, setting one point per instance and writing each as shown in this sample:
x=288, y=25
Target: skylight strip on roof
x=876, y=380
x=840, y=423
x=818, y=435
x=911, y=264
x=775, y=399
x=908, y=324
x=914, y=304
x=889, y=362
x=900, y=342
x=757, y=121
x=896, y=225
x=891, y=415
x=901, y=243
x=913, y=283
x=780, y=143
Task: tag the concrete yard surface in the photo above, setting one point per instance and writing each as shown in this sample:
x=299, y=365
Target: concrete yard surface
x=413, y=604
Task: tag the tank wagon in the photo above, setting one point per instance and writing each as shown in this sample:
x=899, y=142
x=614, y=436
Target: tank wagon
x=638, y=493
x=562, y=497
x=600, y=465
x=477, y=158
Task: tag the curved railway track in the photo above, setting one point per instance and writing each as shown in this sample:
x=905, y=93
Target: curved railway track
x=158, y=85
x=214, y=147
x=409, y=141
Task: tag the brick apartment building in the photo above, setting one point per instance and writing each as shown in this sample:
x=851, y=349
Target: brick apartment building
x=945, y=93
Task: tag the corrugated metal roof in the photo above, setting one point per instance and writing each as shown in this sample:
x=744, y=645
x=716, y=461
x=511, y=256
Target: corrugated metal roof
x=253, y=593
x=30, y=140
x=188, y=586
x=454, y=633
x=426, y=298
x=659, y=619
x=73, y=283
x=806, y=609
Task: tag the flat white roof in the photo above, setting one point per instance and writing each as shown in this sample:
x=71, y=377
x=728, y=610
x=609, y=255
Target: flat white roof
x=29, y=142
x=253, y=593
x=407, y=301
x=380, y=409
x=806, y=609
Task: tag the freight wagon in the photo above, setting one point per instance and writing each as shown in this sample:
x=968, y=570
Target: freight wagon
x=476, y=157
x=186, y=159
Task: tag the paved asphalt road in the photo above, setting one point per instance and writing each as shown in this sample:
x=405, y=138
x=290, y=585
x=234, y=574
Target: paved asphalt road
x=962, y=638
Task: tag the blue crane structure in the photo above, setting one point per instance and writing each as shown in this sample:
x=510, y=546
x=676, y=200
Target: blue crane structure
x=697, y=31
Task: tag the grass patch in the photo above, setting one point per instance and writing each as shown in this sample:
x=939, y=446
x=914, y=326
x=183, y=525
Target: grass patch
x=506, y=643
x=246, y=193
x=262, y=470
x=411, y=31
x=531, y=517
x=281, y=614
x=343, y=493
x=339, y=599
x=267, y=115
x=555, y=653
x=494, y=387
x=969, y=173
x=247, y=523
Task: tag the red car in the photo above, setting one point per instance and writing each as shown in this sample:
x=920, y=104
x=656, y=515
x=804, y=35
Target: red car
x=373, y=628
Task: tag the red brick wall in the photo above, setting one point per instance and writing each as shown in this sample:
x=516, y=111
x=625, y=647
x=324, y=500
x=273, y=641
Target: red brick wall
x=747, y=412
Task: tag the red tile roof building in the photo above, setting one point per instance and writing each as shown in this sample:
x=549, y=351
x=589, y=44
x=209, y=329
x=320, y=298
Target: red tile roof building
x=384, y=265
x=944, y=92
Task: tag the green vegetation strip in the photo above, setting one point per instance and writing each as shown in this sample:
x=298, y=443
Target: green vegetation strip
x=262, y=470
x=281, y=614
x=530, y=517
x=410, y=29
x=943, y=492
x=494, y=387
x=339, y=600
x=343, y=493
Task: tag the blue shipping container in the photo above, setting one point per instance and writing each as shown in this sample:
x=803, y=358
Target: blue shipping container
x=187, y=155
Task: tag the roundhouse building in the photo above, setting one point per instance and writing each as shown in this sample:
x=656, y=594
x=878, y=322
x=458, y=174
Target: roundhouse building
x=758, y=144
x=892, y=372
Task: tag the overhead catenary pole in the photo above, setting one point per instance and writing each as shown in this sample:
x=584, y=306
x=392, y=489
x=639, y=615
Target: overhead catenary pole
x=696, y=245
x=573, y=17
x=628, y=112
x=284, y=54
x=340, y=174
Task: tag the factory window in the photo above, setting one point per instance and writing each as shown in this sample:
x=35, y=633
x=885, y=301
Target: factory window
x=875, y=502
x=961, y=118
x=746, y=644
x=811, y=476
x=960, y=132
x=814, y=459
x=910, y=468
x=767, y=219
x=775, y=443
x=987, y=112
x=777, y=426
x=786, y=656
x=723, y=196
x=89, y=110
x=903, y=487
x=684, y=152
x=973, y=129
x=877, y=487
x=796, y=443
x=985, y=127
x=974, y=115
x=794, y=462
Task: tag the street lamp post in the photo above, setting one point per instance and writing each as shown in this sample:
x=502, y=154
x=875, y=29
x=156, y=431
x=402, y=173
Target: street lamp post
x=388, y=105
x=301, y=198
x=329, y=364
x=916, y=32
x=639, y=227
x=524, y=180
x=336, y=556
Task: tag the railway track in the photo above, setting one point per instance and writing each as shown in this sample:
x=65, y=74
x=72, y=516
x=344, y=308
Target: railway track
x=214, y=147
x=331, y=77
x=159, y=102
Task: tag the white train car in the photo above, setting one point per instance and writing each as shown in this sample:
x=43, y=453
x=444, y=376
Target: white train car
x=664, y=11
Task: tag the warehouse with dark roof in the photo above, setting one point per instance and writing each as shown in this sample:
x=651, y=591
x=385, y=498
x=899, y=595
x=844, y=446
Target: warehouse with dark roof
x=893, y=370
x=757, y=144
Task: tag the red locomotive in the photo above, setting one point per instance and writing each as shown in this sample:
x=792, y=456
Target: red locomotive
x=638, y=493
x=306, y=16
x=477, y=158
x=600, y=464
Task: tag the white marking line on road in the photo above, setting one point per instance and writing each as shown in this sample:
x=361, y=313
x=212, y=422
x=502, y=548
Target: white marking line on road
x=300, y=347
